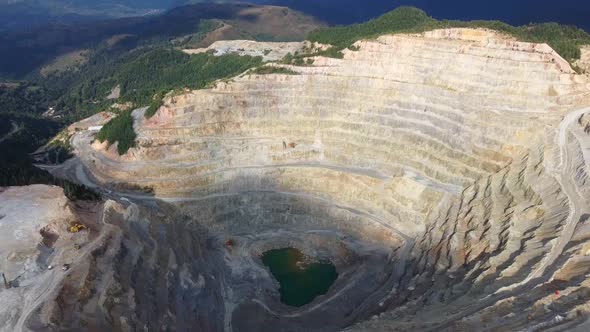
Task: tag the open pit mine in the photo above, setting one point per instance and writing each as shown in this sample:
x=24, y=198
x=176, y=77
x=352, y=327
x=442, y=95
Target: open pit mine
x=430, y=182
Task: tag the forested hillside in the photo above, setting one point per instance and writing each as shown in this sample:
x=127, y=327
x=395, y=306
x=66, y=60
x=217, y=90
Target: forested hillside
x=144, y=81
x=25, y=52
x=16, y=165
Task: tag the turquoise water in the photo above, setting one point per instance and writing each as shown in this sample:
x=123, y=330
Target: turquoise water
x=300, y=281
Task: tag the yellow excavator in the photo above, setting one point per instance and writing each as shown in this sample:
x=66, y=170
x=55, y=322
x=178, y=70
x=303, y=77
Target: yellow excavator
x=76, y=228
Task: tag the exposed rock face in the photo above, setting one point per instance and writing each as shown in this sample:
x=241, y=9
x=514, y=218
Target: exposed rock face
x=268, y=51
x=445, y=174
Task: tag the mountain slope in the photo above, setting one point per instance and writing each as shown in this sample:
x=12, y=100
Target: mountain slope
x=25, y=51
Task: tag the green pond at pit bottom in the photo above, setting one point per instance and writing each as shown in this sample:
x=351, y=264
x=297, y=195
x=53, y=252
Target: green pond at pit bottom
x=300, y=281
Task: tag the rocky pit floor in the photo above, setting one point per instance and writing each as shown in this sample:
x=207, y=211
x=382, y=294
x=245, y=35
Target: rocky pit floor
x=228, y=285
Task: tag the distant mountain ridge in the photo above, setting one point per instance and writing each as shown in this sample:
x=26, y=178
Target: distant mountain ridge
x=25, y=14
x=18, y=14
x=26, y=50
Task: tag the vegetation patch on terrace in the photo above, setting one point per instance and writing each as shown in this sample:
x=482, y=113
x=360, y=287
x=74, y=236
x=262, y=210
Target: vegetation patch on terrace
x=565, y=40
x=163, y=70
x=120, y=130
x=153, y=107
x=155, y=73
x=264, y=70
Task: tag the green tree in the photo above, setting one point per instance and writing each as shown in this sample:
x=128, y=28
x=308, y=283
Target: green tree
x=120, y=130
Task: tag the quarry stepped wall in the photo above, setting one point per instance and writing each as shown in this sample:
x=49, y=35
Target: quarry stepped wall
x=406, y=119
x=445, y=174
x=511, y=253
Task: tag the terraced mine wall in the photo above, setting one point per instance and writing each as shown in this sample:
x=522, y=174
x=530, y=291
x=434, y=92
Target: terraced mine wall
x=444, y=175
x=407, y=119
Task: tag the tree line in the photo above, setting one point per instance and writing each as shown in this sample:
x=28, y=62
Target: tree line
x=565, y=40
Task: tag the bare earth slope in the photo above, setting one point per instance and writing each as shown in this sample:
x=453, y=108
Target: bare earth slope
x=34, y=235
x=445, y=175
